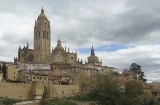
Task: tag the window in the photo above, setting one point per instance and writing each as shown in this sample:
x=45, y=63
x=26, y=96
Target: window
x=39, y=34
x=47, y=36
x=33, y=77
x=14, y=77
x=44, y=34
x=14, y=72
x=71, y=57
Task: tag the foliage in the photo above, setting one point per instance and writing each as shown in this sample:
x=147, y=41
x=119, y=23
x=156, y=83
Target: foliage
x=106, y=91
x=146, y=97
x=0, y=68
x=8, y=101
x=137, y=68
x=116, y=73
x=134, y=88
x=4, y=68
x=82, y=97
x=60, y=101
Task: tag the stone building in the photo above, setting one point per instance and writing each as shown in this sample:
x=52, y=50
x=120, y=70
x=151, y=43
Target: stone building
x=61, y=55
x=42, y=46
x=42, y=38
x=11, y=73
x=93, y=59
x=24, y=54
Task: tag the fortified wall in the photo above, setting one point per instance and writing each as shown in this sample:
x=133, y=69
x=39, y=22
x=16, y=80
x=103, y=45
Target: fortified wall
x=62, y=90
x=35, y=90
x=15, y=90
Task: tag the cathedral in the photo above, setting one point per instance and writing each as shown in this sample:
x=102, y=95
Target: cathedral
x=42, y=52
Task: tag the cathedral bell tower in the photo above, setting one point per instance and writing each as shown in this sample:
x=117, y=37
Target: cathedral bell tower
x=42, y=38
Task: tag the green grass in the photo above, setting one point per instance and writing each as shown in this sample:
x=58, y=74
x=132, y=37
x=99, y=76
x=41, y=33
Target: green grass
x=60, y=101
x=82, y=97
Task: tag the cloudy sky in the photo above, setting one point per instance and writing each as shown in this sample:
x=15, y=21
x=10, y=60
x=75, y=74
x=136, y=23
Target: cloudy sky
x=122, y=31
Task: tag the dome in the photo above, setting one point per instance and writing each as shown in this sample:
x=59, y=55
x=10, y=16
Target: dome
x=42, y=15
x=59, y=48
x=93, y=58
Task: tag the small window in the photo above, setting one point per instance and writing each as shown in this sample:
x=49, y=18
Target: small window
x=14, y=77
x=71, y=57
x=33, y=77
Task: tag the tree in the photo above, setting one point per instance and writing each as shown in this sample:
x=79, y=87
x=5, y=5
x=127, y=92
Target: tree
x=137, y=68
x=4, y=68
x=0, y=68
x=133, y=90
x=106, y=91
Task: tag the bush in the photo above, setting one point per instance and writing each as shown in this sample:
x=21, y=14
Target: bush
x=8, y=101
x=61, y=101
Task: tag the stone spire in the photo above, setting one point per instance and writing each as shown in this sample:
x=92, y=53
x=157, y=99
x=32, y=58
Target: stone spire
x=19, y=47
x=59, y=42
x=27, y=45
x=42, y=11
x=92, y=50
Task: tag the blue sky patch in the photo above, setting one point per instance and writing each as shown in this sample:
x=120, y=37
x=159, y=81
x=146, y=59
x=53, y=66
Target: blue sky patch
x=107, y=48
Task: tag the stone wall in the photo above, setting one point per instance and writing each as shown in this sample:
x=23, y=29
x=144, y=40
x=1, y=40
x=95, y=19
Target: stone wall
x=22, y=91
x=62, y=90
x=15, y=90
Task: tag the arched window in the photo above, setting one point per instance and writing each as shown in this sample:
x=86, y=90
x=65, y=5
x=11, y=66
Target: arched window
x=44, y=34
x=39, y=34
x=47, y=36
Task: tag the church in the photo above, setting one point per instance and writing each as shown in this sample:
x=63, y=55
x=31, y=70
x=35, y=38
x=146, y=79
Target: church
x=42, y=52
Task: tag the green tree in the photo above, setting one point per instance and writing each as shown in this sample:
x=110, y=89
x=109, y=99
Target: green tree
x=133, y=90
x=4, y=68
x=106, y=91
x=137, y=68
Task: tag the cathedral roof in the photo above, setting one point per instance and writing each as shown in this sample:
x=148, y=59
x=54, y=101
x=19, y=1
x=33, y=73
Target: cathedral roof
x=59, y=47
x=42, y=15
